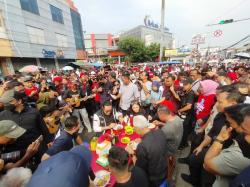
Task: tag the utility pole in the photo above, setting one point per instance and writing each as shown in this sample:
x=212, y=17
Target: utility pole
x=162, y=27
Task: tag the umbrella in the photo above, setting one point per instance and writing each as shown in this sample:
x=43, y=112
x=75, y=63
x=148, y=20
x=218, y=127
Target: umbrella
x=170, y=62
x=243, y=55
x=67, y=68
x=29, y=69
x=79, y=64
x=96, y=64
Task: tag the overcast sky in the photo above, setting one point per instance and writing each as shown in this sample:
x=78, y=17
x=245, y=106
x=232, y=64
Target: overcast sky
x=184, y=18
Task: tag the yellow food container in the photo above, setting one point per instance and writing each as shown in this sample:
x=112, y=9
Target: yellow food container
x=93, y=143
x=125, y=140
x=129, y=130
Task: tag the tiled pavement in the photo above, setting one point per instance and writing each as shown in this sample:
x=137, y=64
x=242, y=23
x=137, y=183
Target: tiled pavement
x=181, y=168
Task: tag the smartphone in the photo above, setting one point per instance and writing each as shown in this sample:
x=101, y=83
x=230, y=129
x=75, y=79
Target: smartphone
x=39, y=139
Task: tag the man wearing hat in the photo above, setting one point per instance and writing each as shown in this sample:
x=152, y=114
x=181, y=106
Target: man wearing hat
x=9, y=132
x=77, y=94
x=29, y=119
x=31, y=90
x=6, y=98
x=187, y=109
x=57, y=80
x=150, y=154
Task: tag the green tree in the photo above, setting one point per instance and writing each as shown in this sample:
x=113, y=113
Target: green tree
x=153, y=51
x=134, y=48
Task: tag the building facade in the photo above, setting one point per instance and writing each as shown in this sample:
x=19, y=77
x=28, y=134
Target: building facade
x=39, y=32
x=98, y=44
x=150, y=35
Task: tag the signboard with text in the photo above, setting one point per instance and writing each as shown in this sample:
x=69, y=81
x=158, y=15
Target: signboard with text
x=53, y=54
x=151, y=24
x=198, y=39
x=177, y=52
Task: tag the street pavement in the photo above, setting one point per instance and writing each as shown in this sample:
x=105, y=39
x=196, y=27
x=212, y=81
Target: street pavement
x=181, y=168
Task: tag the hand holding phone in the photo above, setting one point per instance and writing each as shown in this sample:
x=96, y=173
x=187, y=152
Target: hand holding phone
x=33, y=147
x=39, y=139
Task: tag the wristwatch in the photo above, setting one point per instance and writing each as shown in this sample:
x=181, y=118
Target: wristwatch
x=219, y=141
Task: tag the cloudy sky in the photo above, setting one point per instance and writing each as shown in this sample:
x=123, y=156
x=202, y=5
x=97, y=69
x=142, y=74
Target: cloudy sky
x=184, y=18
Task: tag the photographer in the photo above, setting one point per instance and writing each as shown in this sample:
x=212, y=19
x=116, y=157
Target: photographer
x=145, y=87
x=9, y=132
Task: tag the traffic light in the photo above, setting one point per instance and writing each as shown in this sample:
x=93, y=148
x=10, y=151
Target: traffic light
x=222, y=22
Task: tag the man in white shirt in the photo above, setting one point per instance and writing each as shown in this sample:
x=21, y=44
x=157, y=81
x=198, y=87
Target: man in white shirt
x=128, y=93
x=194, y=74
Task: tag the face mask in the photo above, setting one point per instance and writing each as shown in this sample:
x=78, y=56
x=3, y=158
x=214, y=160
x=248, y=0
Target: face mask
x=10, y=107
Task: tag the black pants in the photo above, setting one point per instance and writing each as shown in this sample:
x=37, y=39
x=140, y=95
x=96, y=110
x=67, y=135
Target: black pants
x=196, y=140
x=147, y=109
x=187, y=129
x=197, y=173
x=156, y=183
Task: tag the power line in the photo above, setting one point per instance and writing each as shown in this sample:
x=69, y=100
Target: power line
x=230, y=10
x=242, y=20
x=248, y=36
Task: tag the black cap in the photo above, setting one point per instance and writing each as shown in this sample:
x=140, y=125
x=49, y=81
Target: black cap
x=222, y=74
x=28, y=79
x=107, y=103
x=187, y=80
x=113, y=75
x=126, y=74
x=19, y=95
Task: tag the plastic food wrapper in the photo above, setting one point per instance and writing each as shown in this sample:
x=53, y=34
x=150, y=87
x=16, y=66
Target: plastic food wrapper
x=102, y=178
x=103, y=161
x=103, y=148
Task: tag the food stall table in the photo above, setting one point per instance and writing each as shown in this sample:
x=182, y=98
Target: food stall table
x=96, y=167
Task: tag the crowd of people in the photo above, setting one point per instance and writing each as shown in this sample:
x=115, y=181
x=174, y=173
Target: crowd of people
x=45, y=115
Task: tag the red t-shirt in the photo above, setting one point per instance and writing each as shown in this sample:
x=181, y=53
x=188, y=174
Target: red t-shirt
x=204, y=106
x=28, y=91
x=97, y=96
x=177, y=82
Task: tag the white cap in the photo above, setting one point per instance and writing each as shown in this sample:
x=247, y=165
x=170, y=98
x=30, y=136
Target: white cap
x=140, y=122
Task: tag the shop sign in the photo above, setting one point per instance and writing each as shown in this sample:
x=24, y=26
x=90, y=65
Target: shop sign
x=177, y=52
x=171, y=52
x=48, y=54
x=150, y=23
x=53, y=54
x=60, y=53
